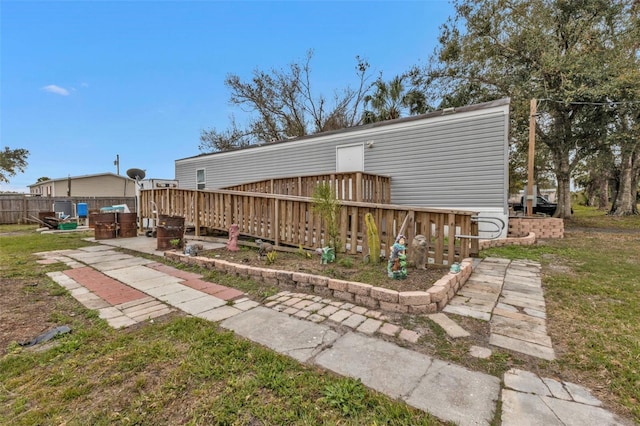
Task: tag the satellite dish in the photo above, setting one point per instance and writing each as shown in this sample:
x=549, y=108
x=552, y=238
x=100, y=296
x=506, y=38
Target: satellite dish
x=136, y=174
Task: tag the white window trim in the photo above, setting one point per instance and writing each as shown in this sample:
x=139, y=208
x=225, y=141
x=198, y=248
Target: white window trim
x=204, y=177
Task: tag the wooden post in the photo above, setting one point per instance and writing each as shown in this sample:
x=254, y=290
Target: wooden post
x=25, y=210
x=275, y=223
x=196, y=212
x=531, y=163
x=359, y=186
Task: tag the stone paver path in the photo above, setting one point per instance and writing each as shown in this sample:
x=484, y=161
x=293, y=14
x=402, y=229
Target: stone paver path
x=509, y=295
x=531, y=400
x=479, y=295
x=126, y=290
x=518, y=321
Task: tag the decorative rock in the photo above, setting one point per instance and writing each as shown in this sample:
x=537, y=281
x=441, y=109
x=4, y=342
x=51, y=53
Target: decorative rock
x=409, y=335
x=480, y=352
x=389, y=329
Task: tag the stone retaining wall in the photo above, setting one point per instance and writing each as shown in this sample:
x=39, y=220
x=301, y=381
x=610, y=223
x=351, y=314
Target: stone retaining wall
x=529, y=240
x=543, y=227
x=432, y=300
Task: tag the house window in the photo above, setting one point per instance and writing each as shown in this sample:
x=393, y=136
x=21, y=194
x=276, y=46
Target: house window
x=200, y=179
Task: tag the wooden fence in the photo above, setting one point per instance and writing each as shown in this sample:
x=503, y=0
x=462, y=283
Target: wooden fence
x=354, y=186
x=19, y=208
x=290, y=220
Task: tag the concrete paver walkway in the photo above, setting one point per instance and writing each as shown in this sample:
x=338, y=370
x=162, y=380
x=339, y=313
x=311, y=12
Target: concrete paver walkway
x=125, y=290
x=509, y=295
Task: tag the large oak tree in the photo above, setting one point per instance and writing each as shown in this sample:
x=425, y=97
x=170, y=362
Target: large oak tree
x=282, y=104
x=574, y=56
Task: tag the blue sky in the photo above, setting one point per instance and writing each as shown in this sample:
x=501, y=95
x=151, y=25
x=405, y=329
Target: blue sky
x=84, y=81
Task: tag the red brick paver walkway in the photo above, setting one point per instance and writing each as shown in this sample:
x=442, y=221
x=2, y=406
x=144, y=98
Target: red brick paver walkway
x=112, y=291
x=175, y=272
x=195, y=282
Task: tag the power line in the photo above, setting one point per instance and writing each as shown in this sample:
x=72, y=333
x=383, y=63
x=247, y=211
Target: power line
x=612, y=103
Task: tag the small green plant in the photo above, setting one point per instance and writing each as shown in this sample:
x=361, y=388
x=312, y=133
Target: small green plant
x=345, y=262
x=347, y=395
x=272, y=256
x=373, y=238
x=327, y=206
x=303, y=253
x=175, y=243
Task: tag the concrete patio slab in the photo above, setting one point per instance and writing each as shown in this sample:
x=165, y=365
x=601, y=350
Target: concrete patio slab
x=296, y=338
x=183, y=296
x=448, y=325
x=120, y=263
x=522, y=347
x=156, y=282
x=133, y=274
x=456, y=394
x=219, y=314
x=380, y=365
x=200, y=305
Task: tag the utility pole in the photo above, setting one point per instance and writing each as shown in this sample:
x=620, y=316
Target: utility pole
x=531, y=163
x=117, y=164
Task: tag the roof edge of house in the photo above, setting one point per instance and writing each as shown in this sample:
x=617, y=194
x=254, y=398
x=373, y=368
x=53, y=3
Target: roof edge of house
x=432, y=114
x=80, y=177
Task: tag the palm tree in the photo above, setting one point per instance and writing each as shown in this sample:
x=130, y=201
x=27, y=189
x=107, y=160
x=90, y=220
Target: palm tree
x=390, y=100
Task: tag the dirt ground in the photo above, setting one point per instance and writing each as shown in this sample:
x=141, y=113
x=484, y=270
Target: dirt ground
x=27, y=309
x=347, y=267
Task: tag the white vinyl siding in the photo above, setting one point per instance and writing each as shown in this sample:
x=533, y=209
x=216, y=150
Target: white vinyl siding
x=455, y=161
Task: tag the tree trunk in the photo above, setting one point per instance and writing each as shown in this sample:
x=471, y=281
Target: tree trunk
x=564, y=198
x=603, y=193
x=624, y=205
x=563, y=175
x=591, y=192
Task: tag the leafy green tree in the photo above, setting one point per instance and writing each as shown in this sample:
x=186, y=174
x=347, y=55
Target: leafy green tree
x=283, y=105
x=42, y=179
x=12, y=161
x=392, y=100
x=568, y=54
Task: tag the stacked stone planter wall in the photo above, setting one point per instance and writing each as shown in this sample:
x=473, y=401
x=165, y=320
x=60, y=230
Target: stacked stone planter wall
x=543, y=227
x=431, y=300
x=509, y=241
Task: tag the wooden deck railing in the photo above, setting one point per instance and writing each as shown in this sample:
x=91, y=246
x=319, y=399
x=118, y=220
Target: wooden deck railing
x=289, y=220
x=353, y=186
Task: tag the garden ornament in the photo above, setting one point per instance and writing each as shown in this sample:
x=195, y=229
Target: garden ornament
x=327, y=255
x=397, y=266
x=234, y=233
x=263, y=248
x=419, y=249
x=193, y=249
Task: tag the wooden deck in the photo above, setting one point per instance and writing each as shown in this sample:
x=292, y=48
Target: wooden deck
x=354, y=186
x=289, y=220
